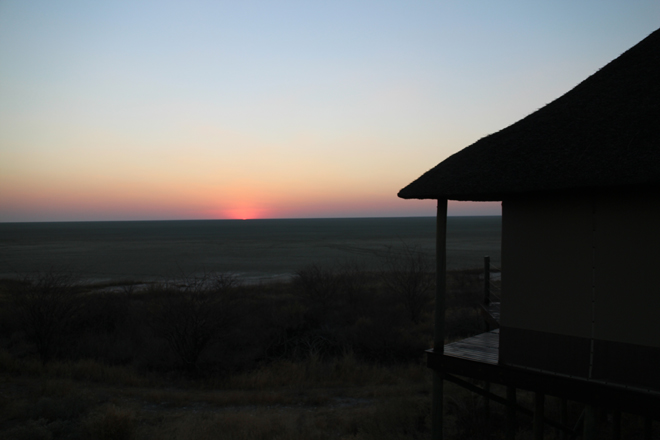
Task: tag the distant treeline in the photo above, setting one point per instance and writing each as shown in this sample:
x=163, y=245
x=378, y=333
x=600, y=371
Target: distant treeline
x=211, y=324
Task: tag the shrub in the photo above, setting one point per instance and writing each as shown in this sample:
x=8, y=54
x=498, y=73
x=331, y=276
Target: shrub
x=47, y=304
x=194, y=315
x=32, y=430
x=409, y=277
x=112, y=423
x=405, y=418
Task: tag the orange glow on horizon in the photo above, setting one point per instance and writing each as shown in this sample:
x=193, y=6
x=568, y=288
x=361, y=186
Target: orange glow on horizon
x=243, y=213
x=63, y=200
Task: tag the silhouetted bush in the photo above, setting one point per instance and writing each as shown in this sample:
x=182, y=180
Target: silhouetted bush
x=47, y=305
x=409, y=276
x=194, y=314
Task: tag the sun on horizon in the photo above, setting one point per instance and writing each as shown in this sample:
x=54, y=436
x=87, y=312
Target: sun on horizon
x=243, y=214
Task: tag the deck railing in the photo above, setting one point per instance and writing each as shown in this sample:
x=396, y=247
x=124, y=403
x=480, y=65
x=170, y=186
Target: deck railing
x=492, y=284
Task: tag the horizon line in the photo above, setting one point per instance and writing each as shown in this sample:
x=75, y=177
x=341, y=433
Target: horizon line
x=243, y=220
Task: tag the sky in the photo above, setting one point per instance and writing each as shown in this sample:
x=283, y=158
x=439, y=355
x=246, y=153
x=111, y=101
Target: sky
x=150, y=110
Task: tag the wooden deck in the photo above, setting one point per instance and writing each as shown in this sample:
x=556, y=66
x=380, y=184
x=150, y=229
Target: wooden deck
x=477, y=357
x=481, y=348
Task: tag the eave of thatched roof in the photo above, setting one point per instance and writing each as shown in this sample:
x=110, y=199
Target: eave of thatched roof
x=603, y=133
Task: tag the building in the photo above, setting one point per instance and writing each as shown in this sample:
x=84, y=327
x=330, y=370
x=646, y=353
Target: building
x=579, y=182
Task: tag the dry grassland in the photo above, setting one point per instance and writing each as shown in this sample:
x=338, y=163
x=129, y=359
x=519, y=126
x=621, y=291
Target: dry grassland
x=335, y=354
x=306, y=399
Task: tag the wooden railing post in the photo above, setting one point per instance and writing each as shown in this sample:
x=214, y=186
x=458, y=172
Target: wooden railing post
x=486, y=280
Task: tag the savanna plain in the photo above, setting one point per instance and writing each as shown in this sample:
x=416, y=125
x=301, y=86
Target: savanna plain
x=291, y=329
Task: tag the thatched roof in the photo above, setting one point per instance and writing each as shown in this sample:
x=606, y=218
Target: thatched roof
x=604, y=133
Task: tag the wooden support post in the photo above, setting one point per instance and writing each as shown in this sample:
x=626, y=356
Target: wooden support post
x=648, y=428
x=511, y=427
x=440, y=277
x=487, y=402
x=486, y=303
x=495, y=398
x=563, y=416
x=590, y=422
x=616, y=425
x=437, y=406
x=437, y=410
x=539, y=400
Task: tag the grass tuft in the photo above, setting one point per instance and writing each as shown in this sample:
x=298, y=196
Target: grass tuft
x=111, y=423
x=93, y=371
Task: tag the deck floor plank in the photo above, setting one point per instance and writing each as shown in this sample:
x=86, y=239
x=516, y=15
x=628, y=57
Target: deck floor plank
x=480, y=348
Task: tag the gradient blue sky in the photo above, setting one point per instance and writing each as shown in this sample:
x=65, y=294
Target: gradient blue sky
x=125, y=110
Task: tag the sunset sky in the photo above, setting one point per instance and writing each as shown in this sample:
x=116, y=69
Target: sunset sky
x=137, y=110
